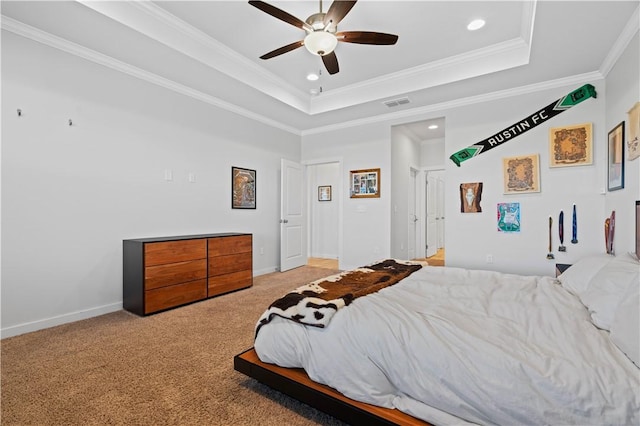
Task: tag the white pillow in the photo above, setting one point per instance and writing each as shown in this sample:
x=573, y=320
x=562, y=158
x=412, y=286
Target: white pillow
x=607, y=289
x=577, y=277
x=625, y=329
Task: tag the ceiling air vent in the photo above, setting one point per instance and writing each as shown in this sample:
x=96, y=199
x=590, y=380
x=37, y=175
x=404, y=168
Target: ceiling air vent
x=395, y=102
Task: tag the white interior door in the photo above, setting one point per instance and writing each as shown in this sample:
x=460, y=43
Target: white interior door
x=413, y=217
x=432, y=215
x=440, y=210
x=293, y=232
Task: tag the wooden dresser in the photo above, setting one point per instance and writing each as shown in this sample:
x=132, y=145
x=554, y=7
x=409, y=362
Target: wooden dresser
x=166, y=272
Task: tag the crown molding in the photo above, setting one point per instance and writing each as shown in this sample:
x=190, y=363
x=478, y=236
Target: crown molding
x=422, y=112
x=414, y=114
x=29, y=32
x=156, y=23
x=623, y=40
x=498, y=57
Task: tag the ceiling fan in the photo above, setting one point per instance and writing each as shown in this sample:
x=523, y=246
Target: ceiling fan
x=322, y=32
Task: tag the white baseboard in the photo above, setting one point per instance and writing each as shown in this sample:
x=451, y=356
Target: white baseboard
x=16, y=330
x=265, y=271
x=29, y=327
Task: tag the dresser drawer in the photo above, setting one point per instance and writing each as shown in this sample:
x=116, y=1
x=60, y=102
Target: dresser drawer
x=228, y=245
x=174, y=273
x=174, y=251
x=174, y=295
x=229, y=282
x=232, y=263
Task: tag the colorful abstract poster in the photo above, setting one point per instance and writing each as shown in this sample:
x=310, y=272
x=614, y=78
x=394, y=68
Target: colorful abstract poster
x=508, y=217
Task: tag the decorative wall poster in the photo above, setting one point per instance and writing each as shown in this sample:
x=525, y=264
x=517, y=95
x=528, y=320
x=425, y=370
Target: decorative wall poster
x=508, y=217
x=574, y=98
x=633, y=140
x=243, y=188
x=324, y=193
x=521, y=174
x=470, y=196
x=616, y=158
x=365, y=183
x=571, y=145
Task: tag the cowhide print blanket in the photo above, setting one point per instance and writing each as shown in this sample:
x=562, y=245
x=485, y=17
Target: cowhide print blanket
x=315, y=303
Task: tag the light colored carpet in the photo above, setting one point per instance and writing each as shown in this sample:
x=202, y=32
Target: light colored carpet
x=172, y=368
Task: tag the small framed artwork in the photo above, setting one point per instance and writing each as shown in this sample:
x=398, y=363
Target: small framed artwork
x=615, y=171
x=571, y=145
x=470, y=196
x=521, y=174
x=633, y=138
x=365, y=183
x=243, y=188
x=324, y=193
x=508, y=217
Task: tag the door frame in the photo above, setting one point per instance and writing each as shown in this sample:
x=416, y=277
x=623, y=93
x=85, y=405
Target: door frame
x=298, y=220
x=421, y=213
x=339, y=197
x=425, y=171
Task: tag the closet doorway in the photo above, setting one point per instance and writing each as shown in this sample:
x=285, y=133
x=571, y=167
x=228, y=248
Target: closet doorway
x=434, y=229
x=325, y=214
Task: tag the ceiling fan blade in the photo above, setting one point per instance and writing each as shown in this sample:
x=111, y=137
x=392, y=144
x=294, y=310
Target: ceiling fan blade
x=283, y=49
x=278, y=13
x=330, y=61
x=366, y=37
x=337, y=11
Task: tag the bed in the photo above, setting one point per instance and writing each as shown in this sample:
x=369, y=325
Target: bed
x=447, y=345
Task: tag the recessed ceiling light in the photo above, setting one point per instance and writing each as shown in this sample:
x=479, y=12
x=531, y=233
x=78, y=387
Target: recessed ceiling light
x=433, y=126
x=312, y=77
x=476, y=24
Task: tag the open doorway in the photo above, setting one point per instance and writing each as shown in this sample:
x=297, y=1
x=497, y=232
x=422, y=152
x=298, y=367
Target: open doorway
x=416, y=149
x=434, y=229
x=324, y=214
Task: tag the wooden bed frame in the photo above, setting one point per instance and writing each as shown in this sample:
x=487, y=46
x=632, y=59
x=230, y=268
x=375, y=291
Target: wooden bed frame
x=295, y=383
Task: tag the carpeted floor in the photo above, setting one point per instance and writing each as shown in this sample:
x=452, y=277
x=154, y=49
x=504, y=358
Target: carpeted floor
x=172, y=368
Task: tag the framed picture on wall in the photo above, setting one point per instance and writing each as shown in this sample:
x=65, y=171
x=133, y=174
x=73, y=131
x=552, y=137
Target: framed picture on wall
x=470, y=196
x=365, y=183
x=521, y=174
x=324, y=193
x=571, y=145
x=243, y=188
x=508, y=217
x=615, y=171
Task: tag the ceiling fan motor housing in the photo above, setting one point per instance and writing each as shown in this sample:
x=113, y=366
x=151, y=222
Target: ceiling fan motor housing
x=321, y=40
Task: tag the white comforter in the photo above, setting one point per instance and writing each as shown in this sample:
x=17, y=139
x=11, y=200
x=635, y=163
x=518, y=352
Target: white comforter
x=447, y=344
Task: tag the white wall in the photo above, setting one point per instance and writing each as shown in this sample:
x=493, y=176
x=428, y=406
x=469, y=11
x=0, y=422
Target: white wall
x=432, y=153
x=623, y=91
x=71, y=194
x=366, y=221
x=405, y=155
x=324, y=215
x=469, y=238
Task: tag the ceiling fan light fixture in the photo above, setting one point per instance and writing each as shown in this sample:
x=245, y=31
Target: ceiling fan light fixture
x=320, y=42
